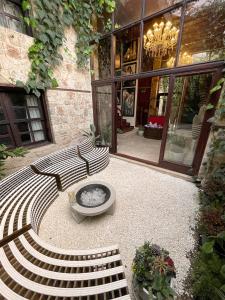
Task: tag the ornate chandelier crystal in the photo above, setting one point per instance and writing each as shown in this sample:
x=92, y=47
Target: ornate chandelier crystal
x=161, y=39
x=185, y=59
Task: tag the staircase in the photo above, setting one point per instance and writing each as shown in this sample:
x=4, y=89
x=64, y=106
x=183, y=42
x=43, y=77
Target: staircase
x=122, y=124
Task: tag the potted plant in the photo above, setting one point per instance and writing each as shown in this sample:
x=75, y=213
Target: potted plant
x=153, y=270
x=140, y=130
x=177, y=146
x=92, y=135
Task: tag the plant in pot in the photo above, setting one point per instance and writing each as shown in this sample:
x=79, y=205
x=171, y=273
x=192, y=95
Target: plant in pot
x=140, y=130
x=177, y=146
x=92, y=135
x=153, y=270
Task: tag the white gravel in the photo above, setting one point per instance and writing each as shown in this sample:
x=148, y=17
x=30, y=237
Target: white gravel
x=150, y=206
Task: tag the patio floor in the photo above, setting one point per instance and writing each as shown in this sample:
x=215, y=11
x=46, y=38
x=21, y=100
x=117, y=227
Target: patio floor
x=137, y=146
x=150, y=206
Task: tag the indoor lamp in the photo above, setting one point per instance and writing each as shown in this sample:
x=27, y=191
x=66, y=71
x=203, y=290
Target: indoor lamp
x=162, y=38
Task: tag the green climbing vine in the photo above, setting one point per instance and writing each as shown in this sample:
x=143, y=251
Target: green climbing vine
x=208, y=264
x=49, y=20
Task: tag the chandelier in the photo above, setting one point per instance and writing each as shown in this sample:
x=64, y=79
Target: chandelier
x=185, y=59
x=161, y=39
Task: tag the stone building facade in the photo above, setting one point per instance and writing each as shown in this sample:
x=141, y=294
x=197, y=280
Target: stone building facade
x=69, y=107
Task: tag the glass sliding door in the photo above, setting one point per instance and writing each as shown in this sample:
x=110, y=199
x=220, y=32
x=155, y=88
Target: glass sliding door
x=190, y=97
x=104, y=108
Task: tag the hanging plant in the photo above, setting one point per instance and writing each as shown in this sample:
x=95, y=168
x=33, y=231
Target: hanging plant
x=49, y=22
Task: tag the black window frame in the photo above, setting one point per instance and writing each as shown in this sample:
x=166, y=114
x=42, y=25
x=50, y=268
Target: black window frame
x=28, y=30
x=13, y=133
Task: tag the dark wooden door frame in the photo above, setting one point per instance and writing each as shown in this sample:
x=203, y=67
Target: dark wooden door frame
x=205, y=132
x=204, y=135
x=113, y=147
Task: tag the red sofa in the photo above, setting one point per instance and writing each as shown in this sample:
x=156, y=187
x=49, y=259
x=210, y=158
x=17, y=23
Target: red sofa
x=160, y=120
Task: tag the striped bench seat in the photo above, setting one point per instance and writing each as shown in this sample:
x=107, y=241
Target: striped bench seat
x=96, y=158
x=36, y=191
x=64, y=165
x=34, y=270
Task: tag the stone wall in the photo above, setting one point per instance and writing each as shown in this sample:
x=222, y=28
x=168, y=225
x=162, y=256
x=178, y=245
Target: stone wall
x=69, y=106
x=70, y=113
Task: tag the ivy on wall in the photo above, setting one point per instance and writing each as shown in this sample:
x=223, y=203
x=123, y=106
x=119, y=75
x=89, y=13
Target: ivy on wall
x=49, y=20
x=208, y=265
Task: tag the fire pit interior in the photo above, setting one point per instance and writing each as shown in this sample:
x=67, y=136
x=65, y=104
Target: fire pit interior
x=92, y=199
x=93, y=195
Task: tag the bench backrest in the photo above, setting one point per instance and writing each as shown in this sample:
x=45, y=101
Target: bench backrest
x=13, y=181
x=56, y=157
x=85, y=146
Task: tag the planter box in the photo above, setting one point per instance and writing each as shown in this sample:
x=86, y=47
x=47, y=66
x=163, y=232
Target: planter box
x=153, y=133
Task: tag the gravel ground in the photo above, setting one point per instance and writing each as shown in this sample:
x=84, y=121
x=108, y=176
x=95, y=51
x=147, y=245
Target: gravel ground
x=150, y=206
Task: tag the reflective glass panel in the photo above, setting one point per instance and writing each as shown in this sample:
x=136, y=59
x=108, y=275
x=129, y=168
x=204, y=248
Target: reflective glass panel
x=3, y=129
x=34, y=113
x=15, y=24
x=104, y=114
x=104, y=24
x=26, y=138
x=189, y=104
x=20, y=112
x=36, y=125
x=12, y=9
x=160, y=41
x=23, y=127
x=127, y=11
x=101, y=60
x=32, y=100
x=203, y=35
x=2, y=116
x=127, y=49
x=6, y=141
x=153, y=6
x=39, y=136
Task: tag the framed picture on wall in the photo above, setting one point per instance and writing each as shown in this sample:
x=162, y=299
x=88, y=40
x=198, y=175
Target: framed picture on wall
x=130, y=51
x=129, y=69
x=128, y=102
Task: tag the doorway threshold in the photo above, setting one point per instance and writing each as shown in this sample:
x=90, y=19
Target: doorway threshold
x=152, y=165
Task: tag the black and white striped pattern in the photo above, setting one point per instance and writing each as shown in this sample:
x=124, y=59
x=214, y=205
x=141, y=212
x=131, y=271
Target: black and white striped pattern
x=32, y=269
x=14, y=207
x=85, y=146
x=65, y=165
x=96, y=158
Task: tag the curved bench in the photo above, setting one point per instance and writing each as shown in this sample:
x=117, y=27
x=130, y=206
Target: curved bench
x=64, y=165
x=96, y=158
x=17, y=192
x=32, y=269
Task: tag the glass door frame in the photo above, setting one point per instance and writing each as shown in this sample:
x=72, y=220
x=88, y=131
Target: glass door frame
x=205, y=130
x=214, y=68
x=113, y=148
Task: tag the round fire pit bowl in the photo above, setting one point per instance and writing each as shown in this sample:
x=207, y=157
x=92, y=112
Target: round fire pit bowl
x=92, y=199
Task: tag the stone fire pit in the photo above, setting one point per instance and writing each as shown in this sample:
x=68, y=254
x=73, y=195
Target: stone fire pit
x=92, y=199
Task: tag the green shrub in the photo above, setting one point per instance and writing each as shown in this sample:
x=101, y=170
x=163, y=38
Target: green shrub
x=153, y=270
x=208, y=273
x=5, y=153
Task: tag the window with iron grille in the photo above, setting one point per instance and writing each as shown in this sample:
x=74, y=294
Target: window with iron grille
x=22, y=120
x=11, y=16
